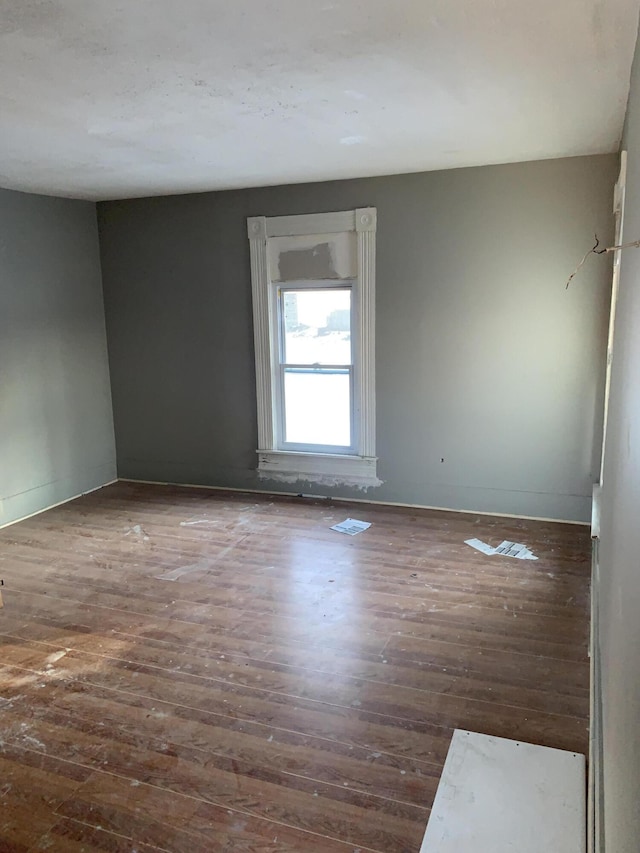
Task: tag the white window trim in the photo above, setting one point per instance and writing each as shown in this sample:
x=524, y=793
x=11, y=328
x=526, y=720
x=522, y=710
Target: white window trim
x=323, y=468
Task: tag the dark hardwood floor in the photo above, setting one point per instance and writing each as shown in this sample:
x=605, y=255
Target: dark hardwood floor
x=292, y=689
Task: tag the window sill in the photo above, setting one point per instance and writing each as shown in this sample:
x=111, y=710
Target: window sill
x=325, y=469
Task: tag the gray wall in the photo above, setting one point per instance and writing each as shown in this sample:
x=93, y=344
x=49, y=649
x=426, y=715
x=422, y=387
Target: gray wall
x=56, y=426
x=619, y=625
x=483, y=358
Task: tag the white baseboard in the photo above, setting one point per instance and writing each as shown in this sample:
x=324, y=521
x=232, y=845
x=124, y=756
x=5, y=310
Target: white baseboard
x=59, y=503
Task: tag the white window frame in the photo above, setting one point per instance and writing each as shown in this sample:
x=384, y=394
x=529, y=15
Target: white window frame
x=358, y=465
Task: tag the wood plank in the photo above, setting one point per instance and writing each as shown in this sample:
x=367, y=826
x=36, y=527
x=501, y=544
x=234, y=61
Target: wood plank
x=32, y=787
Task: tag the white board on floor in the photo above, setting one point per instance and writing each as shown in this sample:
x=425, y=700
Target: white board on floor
x=505, y=796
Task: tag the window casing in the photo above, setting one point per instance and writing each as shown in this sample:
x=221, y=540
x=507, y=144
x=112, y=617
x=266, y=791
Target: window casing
x=315, y=375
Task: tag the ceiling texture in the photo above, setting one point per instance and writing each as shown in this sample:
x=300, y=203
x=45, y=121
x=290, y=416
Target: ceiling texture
x=130, y=98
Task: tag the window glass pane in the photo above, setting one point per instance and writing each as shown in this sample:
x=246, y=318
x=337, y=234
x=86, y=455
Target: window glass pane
x=317, y=407
x=317, y=326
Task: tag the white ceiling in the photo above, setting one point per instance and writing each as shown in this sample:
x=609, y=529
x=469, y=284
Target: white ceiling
x=119, y=98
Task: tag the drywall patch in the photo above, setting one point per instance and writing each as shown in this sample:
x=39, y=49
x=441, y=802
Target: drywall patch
x=313, y=257
x=327, y=480
x=301, y=264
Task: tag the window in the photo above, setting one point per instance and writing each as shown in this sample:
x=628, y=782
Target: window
x=313, y=304
x=315, y=369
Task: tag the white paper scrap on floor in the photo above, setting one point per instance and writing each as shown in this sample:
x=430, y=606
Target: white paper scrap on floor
x=505, y=549
x=503, y=796
x=351, y=526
